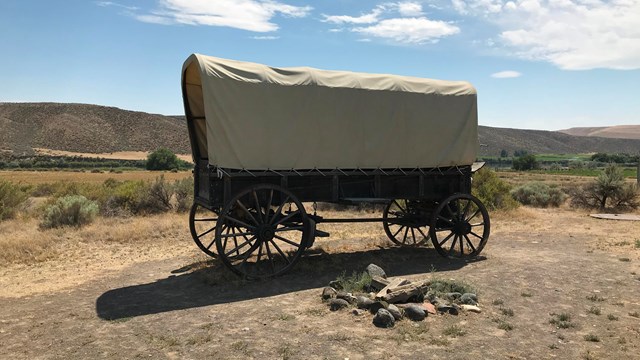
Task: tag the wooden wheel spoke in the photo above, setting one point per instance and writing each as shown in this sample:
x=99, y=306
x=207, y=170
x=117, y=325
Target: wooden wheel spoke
x=259, y=255
x=239, y=222
x=413, y=235
x=479, y=224
x=476, y=235
x=472, y=216
x=206, y=232
x=275, y=215
x=211, y=243
x=444, y=229
x=446, y=239
x=206, y=219
x=461, y=246
x=236, y=234
x=237, y=248
x=397, y=232
x=268, y=207
x=425, y=236
x=453, y=245
x=403, y=210
x=445, y=219
x=466, y=209
x=289, y=216
x=473, y=248
x=244, y=208
x=404, y=237
x=258, y=208
x=270, y=256
x=280, y=251
x=286, y=240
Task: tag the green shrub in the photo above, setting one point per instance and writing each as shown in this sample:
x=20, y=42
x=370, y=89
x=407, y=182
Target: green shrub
x=539, y=194
x=493, y=192
x=608, y=190
x=525, y=162
x=162, y=159
x=183, y=191
x=11, y=198
x=72, y=210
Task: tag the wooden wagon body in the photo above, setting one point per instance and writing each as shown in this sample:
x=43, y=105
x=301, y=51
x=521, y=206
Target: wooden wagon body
x=267, y=142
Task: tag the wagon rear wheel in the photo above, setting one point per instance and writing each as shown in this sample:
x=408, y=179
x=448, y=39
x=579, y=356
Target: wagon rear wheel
x=262, y=232
x=202, y=223
x=460, y=226
x=404, y=224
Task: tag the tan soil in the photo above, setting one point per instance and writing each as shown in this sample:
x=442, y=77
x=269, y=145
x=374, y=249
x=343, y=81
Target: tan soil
x=118, y=155
x=156, y=298
x=39, y=177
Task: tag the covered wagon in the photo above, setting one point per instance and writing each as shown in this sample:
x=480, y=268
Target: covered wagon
x=266, y=140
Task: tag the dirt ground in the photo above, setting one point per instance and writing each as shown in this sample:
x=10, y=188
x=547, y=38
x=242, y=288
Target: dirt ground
x=158, y=298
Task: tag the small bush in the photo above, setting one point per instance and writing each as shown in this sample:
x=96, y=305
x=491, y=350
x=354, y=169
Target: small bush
x=539, y=194
x=11, y=198
x=493, y=192
x=357, y=282
x=164, y=159
x=525, y=162
x=183, y=191
x=609, y=190
x=72, y=210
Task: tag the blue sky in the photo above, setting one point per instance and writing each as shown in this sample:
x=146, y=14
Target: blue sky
x=537, y=64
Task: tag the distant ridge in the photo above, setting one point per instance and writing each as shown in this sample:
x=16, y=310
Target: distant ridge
x=618, y=131
x=88, y=129
x=97, y=129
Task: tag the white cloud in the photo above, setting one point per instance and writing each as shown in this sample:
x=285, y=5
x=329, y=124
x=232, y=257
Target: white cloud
x=410, y=9
x=265, y=37
x=402, y=22
x=111, y=3
x=507, y=74
x=362, y=19
x=571, y=34
x=410, y=30
x=251, y=15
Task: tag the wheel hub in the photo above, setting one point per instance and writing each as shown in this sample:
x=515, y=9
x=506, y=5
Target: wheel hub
x=462, y=228
x=265, y=233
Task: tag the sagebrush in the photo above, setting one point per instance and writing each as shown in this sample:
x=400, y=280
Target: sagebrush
x=539, y=194
x=491, y=191
x=609, y=190
x=11, y=198
x=71, y=210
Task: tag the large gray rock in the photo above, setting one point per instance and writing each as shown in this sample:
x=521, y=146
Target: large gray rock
x=328, y=293
x=336, y=284
x=446, y=308
x=346, y=296
x=337, y=304
x=363, y=302
x=397, y=313
x=375, y=270
x=469, y=299
x=452, y=296
x=383, y=319
x=377, y=305
x=415, y=312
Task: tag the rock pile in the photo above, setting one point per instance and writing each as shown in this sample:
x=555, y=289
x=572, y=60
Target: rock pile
x=391, y=300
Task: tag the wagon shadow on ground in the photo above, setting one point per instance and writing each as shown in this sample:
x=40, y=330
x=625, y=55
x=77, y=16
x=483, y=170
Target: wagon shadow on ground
x=209, y=283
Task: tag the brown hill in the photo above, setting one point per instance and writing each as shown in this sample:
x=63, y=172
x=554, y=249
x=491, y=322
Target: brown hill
x=87, y=128
x=619, y=131
x=99, y=129
x=550, y=142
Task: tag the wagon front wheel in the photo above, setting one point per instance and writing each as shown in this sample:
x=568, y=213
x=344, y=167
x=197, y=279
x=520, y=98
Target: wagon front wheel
x=460, y=226
x=262, y=232
x=403, y=224
x=202, y=224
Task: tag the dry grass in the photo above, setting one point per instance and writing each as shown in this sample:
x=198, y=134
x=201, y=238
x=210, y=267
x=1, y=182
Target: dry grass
x=40, y=177
x=23, y=242
x=117, y=155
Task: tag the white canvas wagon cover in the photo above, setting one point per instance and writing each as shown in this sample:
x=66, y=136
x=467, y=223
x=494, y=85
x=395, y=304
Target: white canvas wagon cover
x=256, y=117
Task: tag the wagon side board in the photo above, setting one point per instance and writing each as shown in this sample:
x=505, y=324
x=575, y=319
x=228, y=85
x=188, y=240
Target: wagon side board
x=215, y=187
